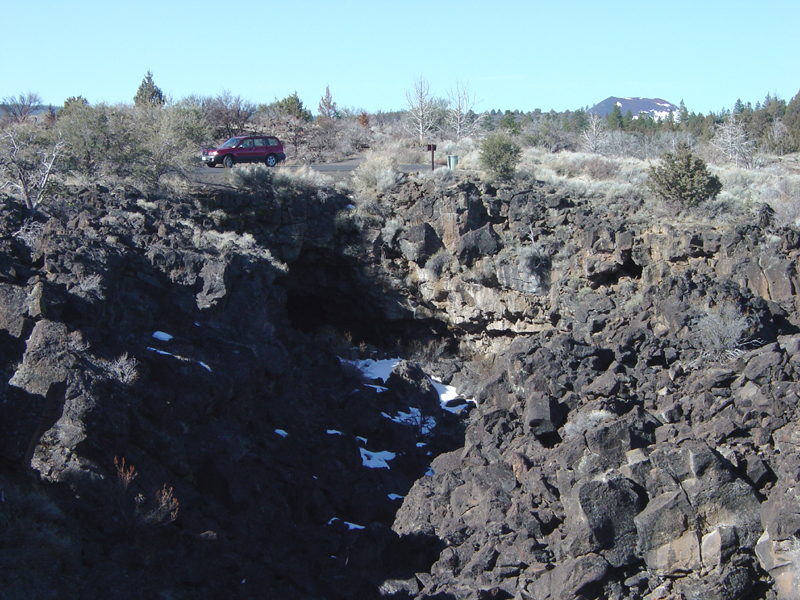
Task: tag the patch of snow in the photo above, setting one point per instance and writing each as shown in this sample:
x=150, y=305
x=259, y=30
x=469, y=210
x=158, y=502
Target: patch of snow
x=421, y=444
x=349, y=525
x=448, y=393
x=205, y=366
x=157, y=351
x=374, y=369
x=395, y=497
x=350, y=206
x=663, y=103
x=618, y=103
x=626, y=99
x=363, y=440
x=281, y=433
x=376, y=460
x=334, y=432
x=429, y=472
x=378, y=388
x=160, y=335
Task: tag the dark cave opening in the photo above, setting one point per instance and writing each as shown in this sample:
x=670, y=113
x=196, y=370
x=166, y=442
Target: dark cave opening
x=310, y=312
x=324, y=296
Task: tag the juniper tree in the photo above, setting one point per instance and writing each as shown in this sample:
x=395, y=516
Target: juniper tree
x=683, y=177
x=149, y=94
x=500, y=155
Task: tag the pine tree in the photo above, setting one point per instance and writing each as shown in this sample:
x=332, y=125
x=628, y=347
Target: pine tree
x=327, y=107
x=627, y=119
x=510, y=124
x=149, y=94
x=683, y=114
x=615, y=118
x=292, y=106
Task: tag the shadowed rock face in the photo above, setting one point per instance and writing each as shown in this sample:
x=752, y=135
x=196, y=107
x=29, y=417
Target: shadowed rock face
x=622, y=437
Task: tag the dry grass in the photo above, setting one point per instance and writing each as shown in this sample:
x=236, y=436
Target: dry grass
x=620, y=183
x=398, y=150
x=587, y=175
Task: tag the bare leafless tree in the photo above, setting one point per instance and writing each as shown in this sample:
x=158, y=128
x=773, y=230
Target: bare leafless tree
x=461, y=118
x=229, y=114
x=730, y=139
x=17, y=109
x=778, y=139
x=420, y=116
x=27, y=161
x=594, y=138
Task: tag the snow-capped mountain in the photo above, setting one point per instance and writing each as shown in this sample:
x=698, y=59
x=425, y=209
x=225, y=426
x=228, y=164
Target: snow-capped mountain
x=655, y=108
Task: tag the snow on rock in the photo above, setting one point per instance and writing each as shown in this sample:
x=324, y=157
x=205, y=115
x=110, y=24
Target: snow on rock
x=376, y=460
x=378, y=388
x=395, y=497
x=333, y=432
x=374, y=369
x=157, y=351
x=281, y=433
x=448, y=394
x=160, y=335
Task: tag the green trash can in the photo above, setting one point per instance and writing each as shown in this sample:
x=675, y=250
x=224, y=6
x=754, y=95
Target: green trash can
x=452, y=161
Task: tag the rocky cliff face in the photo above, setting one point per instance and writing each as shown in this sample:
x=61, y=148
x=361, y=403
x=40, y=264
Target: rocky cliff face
x=633, y=383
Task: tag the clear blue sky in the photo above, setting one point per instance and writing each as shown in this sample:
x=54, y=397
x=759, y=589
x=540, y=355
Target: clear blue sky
x=554, y=54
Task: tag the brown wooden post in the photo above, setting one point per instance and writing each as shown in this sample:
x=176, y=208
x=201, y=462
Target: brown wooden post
x=432, y=149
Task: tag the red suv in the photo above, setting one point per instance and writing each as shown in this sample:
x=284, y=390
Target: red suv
x=246, y=148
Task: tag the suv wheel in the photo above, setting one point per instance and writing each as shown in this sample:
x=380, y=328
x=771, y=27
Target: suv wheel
x=227, y=161
x=272, y=160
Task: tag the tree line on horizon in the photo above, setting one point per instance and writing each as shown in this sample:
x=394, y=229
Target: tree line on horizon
x=155, y=137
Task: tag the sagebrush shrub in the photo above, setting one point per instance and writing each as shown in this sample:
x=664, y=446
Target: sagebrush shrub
x=723, y=331
x=500, y=155
x=682, y=177
x=601, y=168
x=784, y=199
x=377, y=174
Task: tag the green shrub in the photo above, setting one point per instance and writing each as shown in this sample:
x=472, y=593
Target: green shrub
x=500, y=155
x=682, y=177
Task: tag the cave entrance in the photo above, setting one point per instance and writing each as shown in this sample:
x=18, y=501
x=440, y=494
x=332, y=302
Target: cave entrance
x=326, y=296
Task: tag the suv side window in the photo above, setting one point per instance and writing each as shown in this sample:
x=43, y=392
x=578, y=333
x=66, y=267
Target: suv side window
x=272, y=141
x=247, y=144
x=260, y=142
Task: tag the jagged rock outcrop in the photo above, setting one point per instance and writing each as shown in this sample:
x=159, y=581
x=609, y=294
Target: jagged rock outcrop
x=633, y=387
